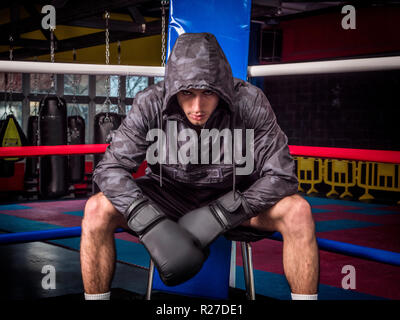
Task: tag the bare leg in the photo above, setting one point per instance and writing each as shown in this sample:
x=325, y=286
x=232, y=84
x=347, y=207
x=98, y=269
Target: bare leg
x=301, y=263
x=97, y=243
x=293, y=219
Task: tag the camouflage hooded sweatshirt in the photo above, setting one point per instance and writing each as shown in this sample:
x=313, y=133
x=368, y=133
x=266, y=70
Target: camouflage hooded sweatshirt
x=197, y=61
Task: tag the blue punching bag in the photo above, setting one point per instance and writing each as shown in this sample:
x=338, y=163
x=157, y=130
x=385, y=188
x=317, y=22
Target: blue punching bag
x=229, y=21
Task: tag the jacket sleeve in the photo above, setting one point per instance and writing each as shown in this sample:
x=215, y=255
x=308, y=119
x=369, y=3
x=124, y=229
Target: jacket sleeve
x=273, y=163
x=123, y=156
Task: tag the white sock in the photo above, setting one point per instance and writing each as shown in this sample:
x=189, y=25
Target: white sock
x=98, y=296
x=296, y=296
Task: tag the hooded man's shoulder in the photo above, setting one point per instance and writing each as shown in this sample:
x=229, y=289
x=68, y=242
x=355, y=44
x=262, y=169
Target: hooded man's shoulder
x=148, y=102
x=152, y=95
x=251, y=102
x=245, y=92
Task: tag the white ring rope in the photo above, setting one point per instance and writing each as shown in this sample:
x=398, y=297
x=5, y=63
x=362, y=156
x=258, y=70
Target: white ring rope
x=333, y=66
x=79, y=68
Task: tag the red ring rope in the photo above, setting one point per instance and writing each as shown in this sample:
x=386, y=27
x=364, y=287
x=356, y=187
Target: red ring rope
x=52, y=150
x=349, y=154
x=318, y=152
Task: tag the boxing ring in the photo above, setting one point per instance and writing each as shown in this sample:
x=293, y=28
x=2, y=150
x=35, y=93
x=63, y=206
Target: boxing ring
x=349, y=65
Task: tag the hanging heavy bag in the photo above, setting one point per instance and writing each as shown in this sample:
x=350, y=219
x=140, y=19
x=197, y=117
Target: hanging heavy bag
x=6, y=170
x=76, y=164
x=104, y=123
x=53, y=131
x=11, y=135
x=32, y=137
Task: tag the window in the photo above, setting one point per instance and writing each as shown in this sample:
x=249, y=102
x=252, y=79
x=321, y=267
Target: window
x=76, y=84
x=158, y=79
x=2, y=82
x=11, y=86
x=14, y=107
x=103, y=108
x=101, y=86
x=41, y=83
x=34, y=108
x=135, y=84
x=10, y=81
x=34, y=87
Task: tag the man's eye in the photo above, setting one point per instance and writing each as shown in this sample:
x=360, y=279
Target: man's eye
x=208, y=92
x=186, y=93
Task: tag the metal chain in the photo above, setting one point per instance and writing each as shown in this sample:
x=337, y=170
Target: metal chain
x=35, y=82
x=119, y=79
x=35, y=90
x=11, y=47
x=10, y=78
x=52, y=59
x=164, y=3
x=119, y=52
x=74, y=86
x=107, y=85
x=107, y=16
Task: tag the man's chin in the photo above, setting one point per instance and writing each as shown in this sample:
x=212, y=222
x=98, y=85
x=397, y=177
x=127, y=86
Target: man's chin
x=197, y=123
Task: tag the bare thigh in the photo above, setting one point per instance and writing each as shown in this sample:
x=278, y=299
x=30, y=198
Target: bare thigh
x=273, y=219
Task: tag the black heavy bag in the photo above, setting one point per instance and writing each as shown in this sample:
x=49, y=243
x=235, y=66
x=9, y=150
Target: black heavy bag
x=104, y=123
x=6, y=168
x=53, y=131
x=32, y=137
x=76, y=164
x=11, y=135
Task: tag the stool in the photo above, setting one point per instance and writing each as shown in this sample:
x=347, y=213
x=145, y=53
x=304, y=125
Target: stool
x=218, y=252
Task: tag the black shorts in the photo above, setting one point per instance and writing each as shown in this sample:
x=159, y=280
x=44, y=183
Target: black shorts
x=176, y=199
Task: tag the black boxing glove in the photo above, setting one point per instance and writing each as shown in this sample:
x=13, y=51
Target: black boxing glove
x=176, y=254
x=221, y=215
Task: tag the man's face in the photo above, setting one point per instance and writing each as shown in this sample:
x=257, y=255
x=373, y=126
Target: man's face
x=197, y=104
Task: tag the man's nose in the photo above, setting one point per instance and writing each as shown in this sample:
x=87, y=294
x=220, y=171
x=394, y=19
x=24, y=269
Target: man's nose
x=197, y=103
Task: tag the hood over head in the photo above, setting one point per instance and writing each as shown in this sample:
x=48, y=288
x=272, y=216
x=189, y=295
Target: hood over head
x=198, y=62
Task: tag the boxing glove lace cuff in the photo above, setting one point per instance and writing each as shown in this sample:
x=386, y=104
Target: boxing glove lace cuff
x=142, y=215
x=231, y=209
